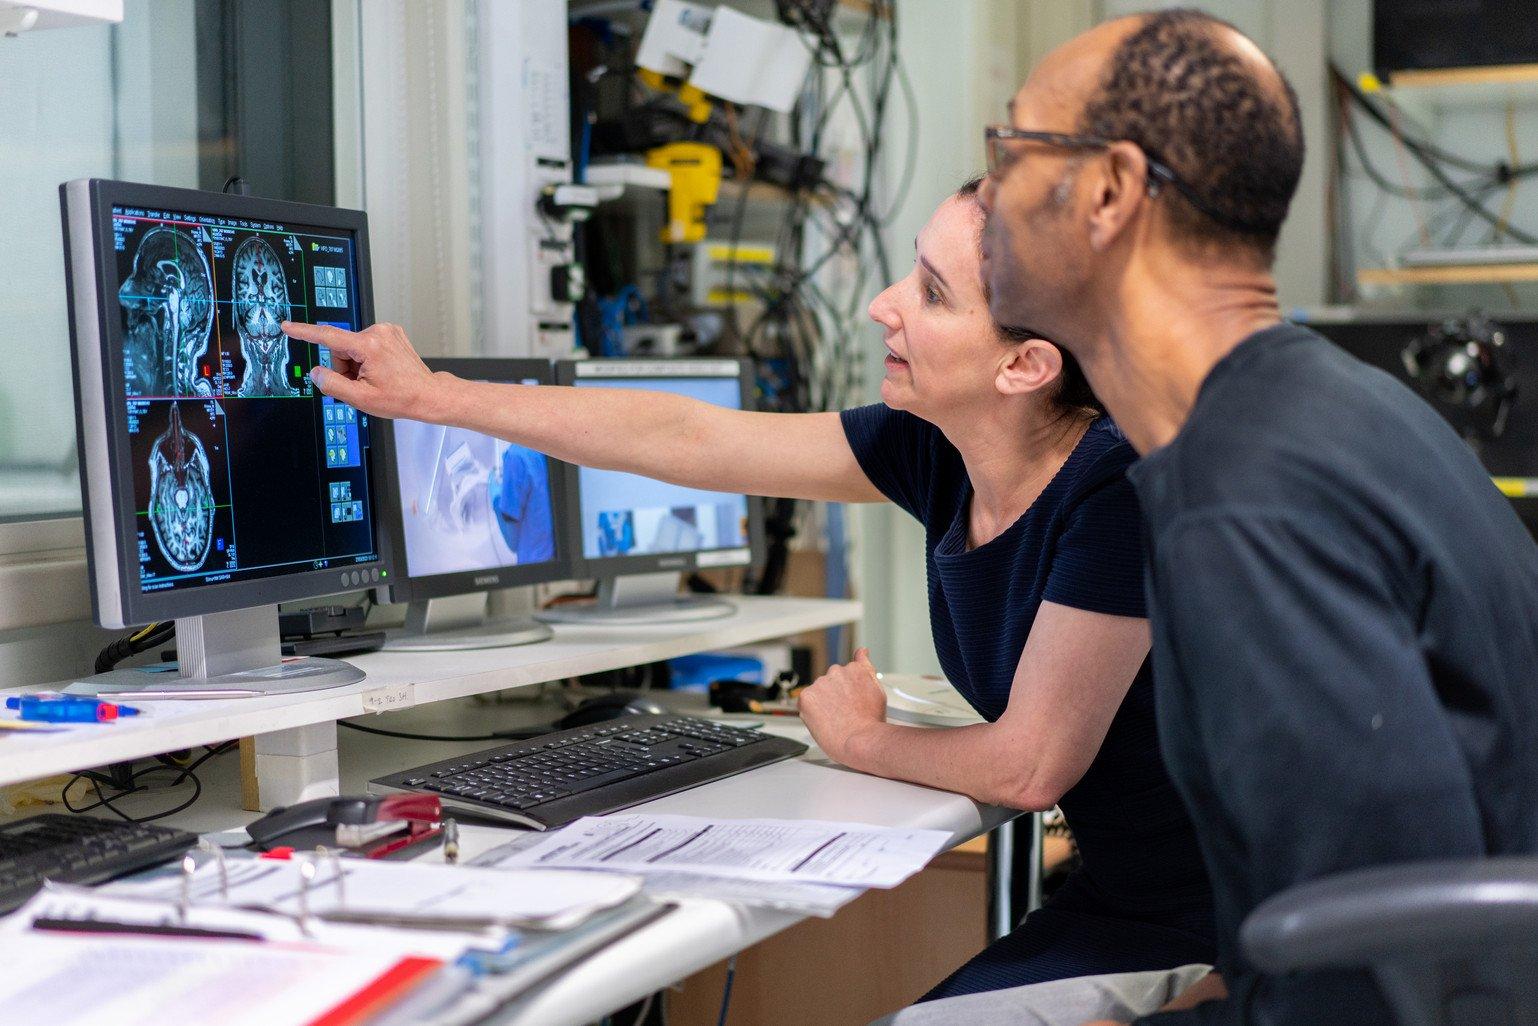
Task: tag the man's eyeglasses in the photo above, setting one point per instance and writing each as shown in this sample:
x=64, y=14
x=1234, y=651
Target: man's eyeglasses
x=1002, y=156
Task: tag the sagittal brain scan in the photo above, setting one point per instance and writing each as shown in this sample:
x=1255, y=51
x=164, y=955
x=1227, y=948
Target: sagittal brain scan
x=168, y=307
x=181, y=496
x=240, y=467
x=261, y=305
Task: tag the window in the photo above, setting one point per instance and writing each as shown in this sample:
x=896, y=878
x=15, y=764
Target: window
x=183, y=93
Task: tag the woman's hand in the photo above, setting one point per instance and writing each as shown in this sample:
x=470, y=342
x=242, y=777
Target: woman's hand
x=841, y=703
x=375, y=370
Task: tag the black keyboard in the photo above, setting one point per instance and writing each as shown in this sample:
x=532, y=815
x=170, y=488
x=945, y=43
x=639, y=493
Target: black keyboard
x=79, y=850
x=587, y=771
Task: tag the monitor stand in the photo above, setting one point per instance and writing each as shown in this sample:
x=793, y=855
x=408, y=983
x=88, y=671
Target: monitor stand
x=458, y=623
x=224, y=655
x=641, y=599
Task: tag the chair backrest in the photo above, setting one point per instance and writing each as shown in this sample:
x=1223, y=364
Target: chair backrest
x=1450, y=943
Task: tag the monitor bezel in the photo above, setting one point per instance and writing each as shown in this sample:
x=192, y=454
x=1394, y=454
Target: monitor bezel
x=566, y=373
x=405, y=587
x=102, y=430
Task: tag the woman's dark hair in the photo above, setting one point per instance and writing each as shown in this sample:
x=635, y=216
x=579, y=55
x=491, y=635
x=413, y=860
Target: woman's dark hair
x=1073, y=394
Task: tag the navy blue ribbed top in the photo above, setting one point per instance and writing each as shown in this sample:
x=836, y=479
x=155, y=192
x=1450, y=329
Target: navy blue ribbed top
x=1080, y=544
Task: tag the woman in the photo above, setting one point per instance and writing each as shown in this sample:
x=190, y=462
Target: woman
x=994, y=442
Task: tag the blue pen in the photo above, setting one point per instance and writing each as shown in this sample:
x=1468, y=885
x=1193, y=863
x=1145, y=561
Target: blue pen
x=54, y=708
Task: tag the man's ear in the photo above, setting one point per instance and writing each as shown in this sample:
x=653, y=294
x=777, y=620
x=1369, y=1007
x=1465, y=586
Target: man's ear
x=1119, y=188
x=1028, y=366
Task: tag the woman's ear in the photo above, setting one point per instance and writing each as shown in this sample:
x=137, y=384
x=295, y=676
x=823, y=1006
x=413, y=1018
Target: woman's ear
x=1028, y=366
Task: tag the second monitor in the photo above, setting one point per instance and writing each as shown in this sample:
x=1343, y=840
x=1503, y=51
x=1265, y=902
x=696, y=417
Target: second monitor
x=637, y=535
x=473, y=514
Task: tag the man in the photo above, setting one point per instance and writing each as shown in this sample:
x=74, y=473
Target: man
x=1344, y=610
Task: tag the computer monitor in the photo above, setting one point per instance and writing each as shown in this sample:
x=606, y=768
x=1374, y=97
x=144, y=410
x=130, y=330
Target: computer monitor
x=637, y=535
x=218, y=481
x=470, y=513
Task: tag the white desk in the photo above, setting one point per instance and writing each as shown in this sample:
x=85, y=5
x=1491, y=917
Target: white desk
x=401, y=680
x=700, y=933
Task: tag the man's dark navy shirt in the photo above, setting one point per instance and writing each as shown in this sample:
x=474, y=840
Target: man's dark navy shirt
x=1345, y=623
x=1080, y=544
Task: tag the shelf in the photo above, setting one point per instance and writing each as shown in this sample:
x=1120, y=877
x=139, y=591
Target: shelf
x=1517, y=487
x=1431, y=90
x=1495, y=74
x=402, y=680
x=1486, y=274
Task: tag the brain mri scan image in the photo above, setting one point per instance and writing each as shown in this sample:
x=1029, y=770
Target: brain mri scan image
x=261, y=305
x=168, y=307
x=181, y=510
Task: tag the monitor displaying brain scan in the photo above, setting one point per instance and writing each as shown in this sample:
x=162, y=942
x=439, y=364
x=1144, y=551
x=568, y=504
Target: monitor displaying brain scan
x=241, y=467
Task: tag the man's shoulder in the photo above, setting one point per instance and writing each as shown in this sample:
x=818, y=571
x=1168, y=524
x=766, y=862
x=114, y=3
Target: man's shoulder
x=1294, y=422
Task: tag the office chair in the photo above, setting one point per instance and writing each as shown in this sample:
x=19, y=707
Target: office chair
x=1450, y=943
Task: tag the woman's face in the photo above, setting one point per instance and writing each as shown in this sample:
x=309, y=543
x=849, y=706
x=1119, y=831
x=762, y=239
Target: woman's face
x=943, y=351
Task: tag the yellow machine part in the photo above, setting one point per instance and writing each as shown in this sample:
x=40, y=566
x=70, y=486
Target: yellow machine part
x=695, y=169
x=696, y=103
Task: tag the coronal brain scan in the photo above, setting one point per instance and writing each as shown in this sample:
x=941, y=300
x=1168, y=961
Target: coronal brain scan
x=181, y=509
x=261, y=306
x=168, y=306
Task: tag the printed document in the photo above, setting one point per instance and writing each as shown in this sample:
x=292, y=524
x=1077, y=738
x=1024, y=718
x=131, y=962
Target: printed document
x=851, y=854
x=88, y=980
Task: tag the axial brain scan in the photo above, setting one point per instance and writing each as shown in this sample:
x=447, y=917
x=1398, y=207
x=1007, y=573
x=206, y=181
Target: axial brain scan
x=181, y=508
x=168, y=303
x=261, y=305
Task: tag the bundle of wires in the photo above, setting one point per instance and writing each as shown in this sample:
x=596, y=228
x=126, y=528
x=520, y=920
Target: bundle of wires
x=811, y=322
x=140, y=781
x=1460, y=185
x=801, y=318
x=142, y=640
x=830, y=254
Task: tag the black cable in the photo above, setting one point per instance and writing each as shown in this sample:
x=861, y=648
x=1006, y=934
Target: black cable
x=1424, y=147
x=188, y=772
x=142, y=640
x=726, y=991
x=1432, y=158
x=1354, y=135
x=501, y=735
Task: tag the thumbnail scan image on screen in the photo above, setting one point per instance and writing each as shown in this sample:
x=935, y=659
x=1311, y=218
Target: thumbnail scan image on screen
x=241, y=468
x=470, y=501
x=182, y=506
x=629, y=515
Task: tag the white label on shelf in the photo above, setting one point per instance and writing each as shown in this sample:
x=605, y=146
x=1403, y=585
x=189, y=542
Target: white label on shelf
x=400, y=696
x=723, y=557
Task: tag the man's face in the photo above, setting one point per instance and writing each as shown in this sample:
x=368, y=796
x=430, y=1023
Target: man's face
x=1030, y=250
x=1037, y=255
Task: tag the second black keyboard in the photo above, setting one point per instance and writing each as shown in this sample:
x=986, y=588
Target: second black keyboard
x=559, y=777
x=79, y=850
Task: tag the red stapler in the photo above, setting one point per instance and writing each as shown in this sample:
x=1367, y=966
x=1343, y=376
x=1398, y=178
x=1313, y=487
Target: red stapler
x=369, y=827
